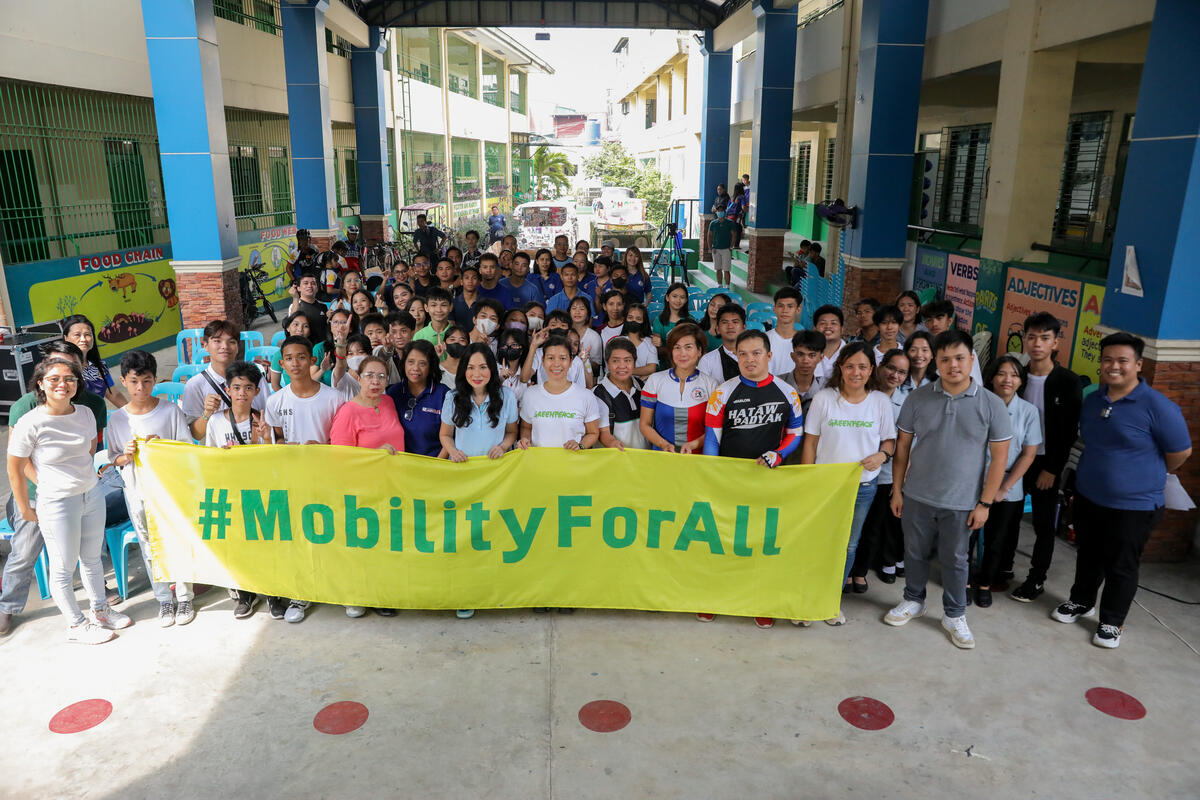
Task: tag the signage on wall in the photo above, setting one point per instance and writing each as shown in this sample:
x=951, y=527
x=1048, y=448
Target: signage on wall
x=962, y=278
x=1086, y=358
x=1027, y=292
x=930, y=270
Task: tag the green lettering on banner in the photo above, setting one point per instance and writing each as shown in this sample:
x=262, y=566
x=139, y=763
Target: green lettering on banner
x=265, y=521
x=610, y=528
x=740, y=526
x=420, y=537
x=449, y=528
x=477, y=515
x=308, y=523
x=657, y=517
x=522, y=535
x=355, y=515
x=566, y=520
x=397, y=520
x=700, y=527
x=770, y=528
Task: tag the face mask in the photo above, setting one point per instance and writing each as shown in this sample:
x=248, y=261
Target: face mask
x=456, y=349
x=619, y=283
x=354, y=362
x=510, y=353
x=638, y=328
x=486, y=326
x=535, y=323
x=516, y=325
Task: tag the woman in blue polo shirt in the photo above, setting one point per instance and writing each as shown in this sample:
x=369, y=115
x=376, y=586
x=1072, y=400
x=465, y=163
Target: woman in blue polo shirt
x=419, y=398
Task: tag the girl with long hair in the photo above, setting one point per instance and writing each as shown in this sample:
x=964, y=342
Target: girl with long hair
x=79, y=331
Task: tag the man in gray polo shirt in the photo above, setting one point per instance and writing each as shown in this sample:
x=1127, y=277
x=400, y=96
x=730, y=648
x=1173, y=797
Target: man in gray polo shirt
x=939, y=488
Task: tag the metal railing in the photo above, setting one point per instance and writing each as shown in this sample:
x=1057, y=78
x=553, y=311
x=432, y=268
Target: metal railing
x=262, y=15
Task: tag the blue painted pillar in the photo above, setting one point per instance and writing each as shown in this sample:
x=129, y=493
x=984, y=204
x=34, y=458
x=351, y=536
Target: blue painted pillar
x=308, y=117
x=189, y=111
x=1162, y=225
x=770, y=160
x=714, y=131
x=890, y=56
x=370, y=131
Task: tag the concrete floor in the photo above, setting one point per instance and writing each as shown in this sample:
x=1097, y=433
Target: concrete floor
x=489, y=707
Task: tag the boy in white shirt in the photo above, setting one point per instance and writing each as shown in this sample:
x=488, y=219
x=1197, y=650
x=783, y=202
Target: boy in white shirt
x=301, y=413
x=147, y=417
x=205, y=394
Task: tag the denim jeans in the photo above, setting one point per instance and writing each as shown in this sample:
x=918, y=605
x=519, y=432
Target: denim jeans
x=73, y=528
x=926, y=527
x=18, y=569
x=862, y=504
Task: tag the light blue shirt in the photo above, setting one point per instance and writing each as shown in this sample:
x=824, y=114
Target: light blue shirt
x=478, y=436
x=1026, y=430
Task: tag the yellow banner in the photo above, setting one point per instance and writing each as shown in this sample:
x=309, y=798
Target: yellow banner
x=544, y=527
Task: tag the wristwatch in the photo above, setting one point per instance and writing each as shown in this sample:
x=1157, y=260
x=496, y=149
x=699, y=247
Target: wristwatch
x=985, y=505
x=886, y=456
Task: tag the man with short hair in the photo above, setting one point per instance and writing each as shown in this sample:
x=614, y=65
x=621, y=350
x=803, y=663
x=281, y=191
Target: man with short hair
x=561, y=255
x=816, y=259
x=828, y=320
x=518, y=290
x=1133, y=438
x=864, y=312
x=206, y=394
x=304, y=300
x=787, y=306
x=569, y=274
x=1057, y=394
x=489, y=279
x=807, y=348
x=422, y=281
x=942, y=481
x=496, y=223
x=472, y=252
x=721, y=363
x=939, y=316
x=720, y=240
x=427, y=239
x=796, y=273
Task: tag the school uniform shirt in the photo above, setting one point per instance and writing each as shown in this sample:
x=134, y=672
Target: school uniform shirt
x=518, y=296
x=201, y=386
x=560, y=302
x=610, y=332
x=897, y=399
x=1026, y=430
x=304, y=419
x=497, y=293
x=420, y=416
x=592, y=342
x=558, y=418
x=678, y=406
x=744, y=419
x=460, y=312
x=824, y=367
x=781, y=354
x=576, y=373
x=166, y=421
x=549, y=284
x=59, y=448
x=635, y=286
x=849, y=432
x=647, y=353
x=720, y=364
x=478, y=437
x=806, y=397
x=356, y=425
x=220, y=431
x=620, y=412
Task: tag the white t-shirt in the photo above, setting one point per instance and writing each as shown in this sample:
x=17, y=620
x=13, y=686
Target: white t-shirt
x=592, y=342
x=166, y=421
x=59, y=448
x=558, y=418
x=575, y=372
x=781, y=354
x=824, y=367
x=304, y=419
x=515, y=383
x=710, y=363
x=608, y=333
x=647, y=353
x=849, y=432
x=220, y=432
x=198, y=388
x=1035, y=395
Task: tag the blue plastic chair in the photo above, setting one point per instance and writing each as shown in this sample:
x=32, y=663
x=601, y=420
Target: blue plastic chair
x=119, y=537
x=767, y=317
x=187, y=345
x=169, y=389
x=266, y=352
x=252, y=338
x=709, y=294
x=278, y=338
x=185, y=371
x=654, y=308
x=756, y=325
x=760, y=306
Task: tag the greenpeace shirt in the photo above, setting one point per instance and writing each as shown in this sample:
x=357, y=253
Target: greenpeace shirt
x=558, y=418
x=745, y=419
x=849, y=432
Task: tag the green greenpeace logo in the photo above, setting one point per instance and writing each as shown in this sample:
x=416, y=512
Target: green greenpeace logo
x=851, y=423
x=555, y=415
x=417, y=525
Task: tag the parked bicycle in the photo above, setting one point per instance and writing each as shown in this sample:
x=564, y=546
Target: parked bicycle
x=254, y=299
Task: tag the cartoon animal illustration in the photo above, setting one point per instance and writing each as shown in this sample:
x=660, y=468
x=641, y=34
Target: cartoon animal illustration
x=125, y=283
x=166, y=288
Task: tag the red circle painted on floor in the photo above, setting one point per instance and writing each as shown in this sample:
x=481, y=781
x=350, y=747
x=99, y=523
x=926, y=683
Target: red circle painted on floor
x=604, y=716
x=80, y=716
x=866, y=713
x=1115, y=703
x=341, y=717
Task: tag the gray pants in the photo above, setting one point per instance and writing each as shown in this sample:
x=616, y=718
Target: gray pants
x=73, y=528
x=18, y=569
x=162, y=591
x=924, y=527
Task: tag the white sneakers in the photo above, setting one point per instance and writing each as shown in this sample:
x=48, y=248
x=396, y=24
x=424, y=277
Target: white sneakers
x=105, y=617
x=960, y=634
x=88, y=632
x=354, y=612
x=906, y=610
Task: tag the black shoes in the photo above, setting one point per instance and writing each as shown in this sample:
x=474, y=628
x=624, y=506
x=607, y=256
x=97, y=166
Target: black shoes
x=983, y=597
x=1027, y=592
x=277, y=607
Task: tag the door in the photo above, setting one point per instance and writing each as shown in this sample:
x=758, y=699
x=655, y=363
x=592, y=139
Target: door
x=127, y=188
x=22, y=223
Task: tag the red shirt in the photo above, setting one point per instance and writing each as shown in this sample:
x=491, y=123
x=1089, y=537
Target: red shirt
x=355, y=425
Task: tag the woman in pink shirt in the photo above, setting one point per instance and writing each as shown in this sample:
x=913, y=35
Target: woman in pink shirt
x=370, y=419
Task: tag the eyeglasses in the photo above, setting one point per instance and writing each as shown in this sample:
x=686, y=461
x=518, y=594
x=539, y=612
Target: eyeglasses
x=896, y=370
x=55, y=379
x=371, y=376
x=408, y=413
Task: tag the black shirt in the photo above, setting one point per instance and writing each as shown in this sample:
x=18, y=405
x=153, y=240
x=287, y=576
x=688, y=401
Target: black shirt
x=318, y=328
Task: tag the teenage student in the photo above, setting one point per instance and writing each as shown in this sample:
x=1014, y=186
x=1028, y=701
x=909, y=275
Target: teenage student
x=887, y=325
x=864, y=312
x=637, y=330
x=939, y=316
x=722, y=364
x=828, y=320
x=438, y=304
x=909, y=303
x=675, y=311
x=206, y=394
x=787, y=306
x=808, y=348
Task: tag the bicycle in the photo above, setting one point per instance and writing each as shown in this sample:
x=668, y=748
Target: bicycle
x=250, y=282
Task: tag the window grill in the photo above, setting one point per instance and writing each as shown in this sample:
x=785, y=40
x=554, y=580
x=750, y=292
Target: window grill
x=1083, y=167
x=260, y=169
x=801, y=167
x=830, y=155
x=962, y=177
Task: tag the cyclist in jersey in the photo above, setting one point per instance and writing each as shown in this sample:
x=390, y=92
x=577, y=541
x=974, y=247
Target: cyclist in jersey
x=755, y=415
x=672, y=415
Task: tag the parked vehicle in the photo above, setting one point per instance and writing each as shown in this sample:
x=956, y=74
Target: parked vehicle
x=619, y=216
x=539, y=222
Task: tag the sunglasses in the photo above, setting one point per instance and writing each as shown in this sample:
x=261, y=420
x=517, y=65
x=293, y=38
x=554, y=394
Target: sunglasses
x=408, y=412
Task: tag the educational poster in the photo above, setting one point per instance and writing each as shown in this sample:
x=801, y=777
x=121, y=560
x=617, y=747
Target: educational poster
x=272, y=249
x=988, y=290
x=930, y=270
x=962, y=277
x=1026, y=292
x=1085, y=360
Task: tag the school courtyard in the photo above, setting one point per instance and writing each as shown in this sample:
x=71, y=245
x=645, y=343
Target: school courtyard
x=608, y=704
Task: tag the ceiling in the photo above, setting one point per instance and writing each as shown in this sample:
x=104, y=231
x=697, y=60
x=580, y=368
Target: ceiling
x=672, y=14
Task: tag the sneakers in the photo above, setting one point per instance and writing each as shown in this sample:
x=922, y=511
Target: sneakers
x=113, y=620
x=983, y=598
x=353, y=612
x=89, y=633
x=1069, y=612
x=1107, y=636
x=465, y=613
x=960, y=634
x=706, y=617
x=836, y=622
x=802, y=623
x=166, y=615
x=245, y=606
x=277, y=606
x=386, y=612
x=295, y=611
x=184, y=613
x=764, y=622
x=1027, y=592
x=902, y=613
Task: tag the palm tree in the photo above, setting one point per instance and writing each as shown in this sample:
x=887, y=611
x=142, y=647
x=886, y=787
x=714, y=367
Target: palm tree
x=551, y=172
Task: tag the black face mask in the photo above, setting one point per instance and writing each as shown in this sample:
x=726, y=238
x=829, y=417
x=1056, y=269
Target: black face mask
x=455, y=349
x=510, y=353
x=619, y=283
x=638, y=328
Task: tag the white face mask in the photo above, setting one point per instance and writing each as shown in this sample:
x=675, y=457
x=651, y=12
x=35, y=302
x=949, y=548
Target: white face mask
x=354, y=362
x=486, y=325
x=535, y=323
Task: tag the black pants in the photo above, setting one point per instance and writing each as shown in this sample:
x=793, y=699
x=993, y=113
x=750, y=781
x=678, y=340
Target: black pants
x=1045, y=523
x=1110, y=549
x=1003, y=525
x=882, y=542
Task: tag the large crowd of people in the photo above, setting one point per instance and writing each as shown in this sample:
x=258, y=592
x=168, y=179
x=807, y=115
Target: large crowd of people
x=478, y=353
